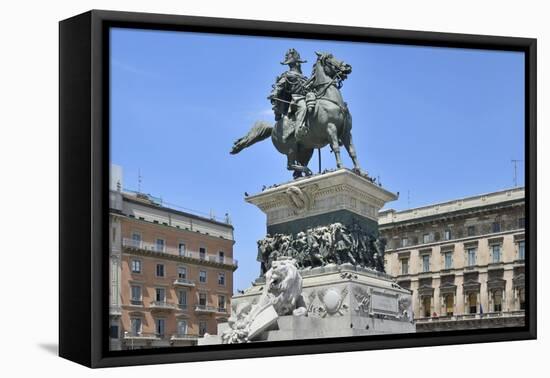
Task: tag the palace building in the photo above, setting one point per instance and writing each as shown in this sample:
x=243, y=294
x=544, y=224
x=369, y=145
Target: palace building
x=171, y=277
x=463, y=260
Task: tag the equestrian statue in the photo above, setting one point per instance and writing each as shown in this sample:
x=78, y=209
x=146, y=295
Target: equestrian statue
x=309, y=113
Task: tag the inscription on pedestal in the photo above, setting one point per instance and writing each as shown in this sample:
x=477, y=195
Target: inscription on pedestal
x=383, y=303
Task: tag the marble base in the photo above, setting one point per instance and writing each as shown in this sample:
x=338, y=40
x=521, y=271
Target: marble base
x=342, y=300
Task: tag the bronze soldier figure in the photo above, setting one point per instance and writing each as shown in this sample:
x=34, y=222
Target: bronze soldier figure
x=290, y=97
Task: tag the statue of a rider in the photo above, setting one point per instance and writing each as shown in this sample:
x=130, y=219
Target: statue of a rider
x=291, y=98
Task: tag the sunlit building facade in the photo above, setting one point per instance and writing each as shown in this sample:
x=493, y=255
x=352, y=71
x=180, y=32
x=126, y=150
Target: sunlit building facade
x=171, y=273
x=463, y=260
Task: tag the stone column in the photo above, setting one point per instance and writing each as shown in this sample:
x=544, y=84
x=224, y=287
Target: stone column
x=437, y=300
x=483, y=293
x=459, y=305
x=509, y=295
x=415, y=299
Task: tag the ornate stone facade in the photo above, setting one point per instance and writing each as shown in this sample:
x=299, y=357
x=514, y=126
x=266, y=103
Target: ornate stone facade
x=462, y=259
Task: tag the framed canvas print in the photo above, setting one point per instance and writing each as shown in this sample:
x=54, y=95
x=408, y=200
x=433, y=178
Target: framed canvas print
x=236, y=188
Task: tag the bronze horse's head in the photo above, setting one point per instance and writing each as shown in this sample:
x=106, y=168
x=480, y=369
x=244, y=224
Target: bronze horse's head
x=332, y=66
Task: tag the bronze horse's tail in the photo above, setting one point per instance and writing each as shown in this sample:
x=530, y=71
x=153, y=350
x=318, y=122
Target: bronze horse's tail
x=260, y=131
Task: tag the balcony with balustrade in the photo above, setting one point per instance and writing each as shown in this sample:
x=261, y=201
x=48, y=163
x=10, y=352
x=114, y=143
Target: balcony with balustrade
x=193, y=256
x=162, y=306
x=184, y=337
x=140, y=336
x=184, y=282
x=205, y=309
x=511, y=318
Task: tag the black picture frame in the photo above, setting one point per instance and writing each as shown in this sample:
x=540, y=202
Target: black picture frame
x=84, y=170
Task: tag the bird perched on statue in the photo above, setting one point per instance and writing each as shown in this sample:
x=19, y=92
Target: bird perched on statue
x=246, y=194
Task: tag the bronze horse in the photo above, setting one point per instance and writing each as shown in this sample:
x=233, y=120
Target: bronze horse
x=328, y=124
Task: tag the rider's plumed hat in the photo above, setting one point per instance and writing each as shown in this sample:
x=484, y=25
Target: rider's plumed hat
x=293, y=56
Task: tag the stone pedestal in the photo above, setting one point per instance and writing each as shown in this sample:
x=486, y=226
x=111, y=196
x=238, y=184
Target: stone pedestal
x=342, y=299
x=338, y=196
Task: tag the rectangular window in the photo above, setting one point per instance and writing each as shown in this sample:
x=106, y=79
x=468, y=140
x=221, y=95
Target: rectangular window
x=472, y=303
x=427, y=238
x=181, y=249
x=496, y=227
x=427, y=306
x=448, y=260
x=221, y=302
x=136, y=240
x=449, y=304
x=404, y=242
x=471, y=230
x=113, y=331
x=202, y=327
x=136, y=295
x=425, y=263
x=497, y=301
x=160, y=270
x=182, y=299
x=202, y=276
x=521, y=223
x=202, y=299
x=448, y=235
x=160, y=326
x=182, y=327
x=136, y=326
x=136, y=266
x=471, y=256
x=495, y=249
x=521, y=250
x=404, y=266
x=521, y=294
x=202, y=253
x=221, y=278
x=159, y=245
x=160, y=294
x=221, y=257
x=182, y=272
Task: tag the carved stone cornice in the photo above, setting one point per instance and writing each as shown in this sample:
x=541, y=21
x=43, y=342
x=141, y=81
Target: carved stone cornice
x=497, y=240
x=404, y=255
x=471, y=244
x=518, y=282
x=496, y=284
x=311, y=196
x=471, y=286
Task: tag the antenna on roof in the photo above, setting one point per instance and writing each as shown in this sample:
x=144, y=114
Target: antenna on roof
x=515, y=162
x=139, y=180
x=408, y=198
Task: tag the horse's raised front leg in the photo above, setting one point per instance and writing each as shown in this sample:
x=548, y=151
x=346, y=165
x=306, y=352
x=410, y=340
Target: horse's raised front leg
x=347, y=141
x=333, y=135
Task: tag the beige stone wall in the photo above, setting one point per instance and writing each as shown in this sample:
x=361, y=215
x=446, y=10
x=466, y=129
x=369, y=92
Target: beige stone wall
x=486, y=275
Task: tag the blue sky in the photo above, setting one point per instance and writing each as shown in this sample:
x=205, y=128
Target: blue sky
x=433, y=123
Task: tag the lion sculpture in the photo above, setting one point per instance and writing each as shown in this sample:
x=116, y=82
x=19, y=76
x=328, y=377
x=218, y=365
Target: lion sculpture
x=282, y=291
